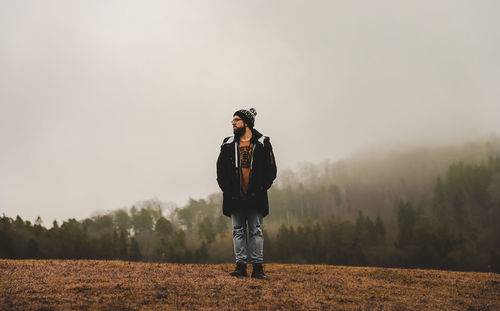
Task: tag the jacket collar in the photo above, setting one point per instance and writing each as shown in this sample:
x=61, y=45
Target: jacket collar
x=257, y=137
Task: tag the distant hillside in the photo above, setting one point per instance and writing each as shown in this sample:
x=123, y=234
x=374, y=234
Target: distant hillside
x=375, y=180
x=411, y=207
x=119, y=285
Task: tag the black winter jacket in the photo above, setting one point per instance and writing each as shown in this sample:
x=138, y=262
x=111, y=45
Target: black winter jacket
x=263, y=173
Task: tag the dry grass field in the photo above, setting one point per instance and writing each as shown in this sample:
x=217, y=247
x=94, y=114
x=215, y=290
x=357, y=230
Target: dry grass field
x=113, y=285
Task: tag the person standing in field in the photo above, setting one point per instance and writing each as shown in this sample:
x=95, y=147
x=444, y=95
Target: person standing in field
x=246, y=169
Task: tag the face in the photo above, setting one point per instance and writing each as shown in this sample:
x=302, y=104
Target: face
x=238, y=126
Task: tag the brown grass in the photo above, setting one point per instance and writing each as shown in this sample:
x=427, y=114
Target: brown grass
x=111, y=285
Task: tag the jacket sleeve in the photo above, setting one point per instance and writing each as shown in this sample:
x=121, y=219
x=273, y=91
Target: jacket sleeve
x=220, y=169
x=269, y=164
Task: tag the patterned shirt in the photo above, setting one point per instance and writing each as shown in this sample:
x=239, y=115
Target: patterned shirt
x=245, y=149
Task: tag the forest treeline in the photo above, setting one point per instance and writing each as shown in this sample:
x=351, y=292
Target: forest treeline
x=415, y=213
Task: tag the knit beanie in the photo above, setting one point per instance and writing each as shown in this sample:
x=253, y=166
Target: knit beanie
x=248, y=116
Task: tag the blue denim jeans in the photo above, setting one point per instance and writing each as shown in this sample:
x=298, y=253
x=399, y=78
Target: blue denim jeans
x=251, y=252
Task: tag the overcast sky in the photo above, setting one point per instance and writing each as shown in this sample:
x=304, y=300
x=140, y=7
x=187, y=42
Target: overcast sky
x=105, y=103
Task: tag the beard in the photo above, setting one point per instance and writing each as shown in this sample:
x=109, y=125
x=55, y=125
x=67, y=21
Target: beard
x=239, y=131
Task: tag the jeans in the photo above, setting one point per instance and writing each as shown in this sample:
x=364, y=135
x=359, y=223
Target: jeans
x=255, y=243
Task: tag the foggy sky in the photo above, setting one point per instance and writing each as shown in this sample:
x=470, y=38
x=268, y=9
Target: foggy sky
x=105, y=103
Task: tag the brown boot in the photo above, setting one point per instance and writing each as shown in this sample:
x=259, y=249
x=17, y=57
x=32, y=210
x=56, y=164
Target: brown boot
x=258, y=272
x=240, y=271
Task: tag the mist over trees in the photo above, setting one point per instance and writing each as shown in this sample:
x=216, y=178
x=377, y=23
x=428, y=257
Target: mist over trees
x=415, y=207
